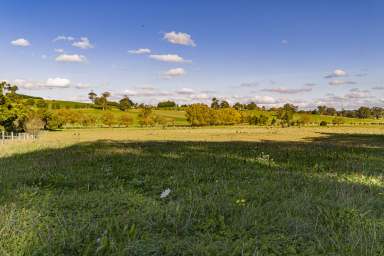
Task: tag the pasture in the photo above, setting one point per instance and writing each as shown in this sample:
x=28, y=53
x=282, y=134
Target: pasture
x=233, y=191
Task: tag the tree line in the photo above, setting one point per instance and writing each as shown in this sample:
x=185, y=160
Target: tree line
x=21, y=112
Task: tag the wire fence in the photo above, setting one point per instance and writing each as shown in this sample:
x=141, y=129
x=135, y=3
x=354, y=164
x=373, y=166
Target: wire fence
x=6, y=137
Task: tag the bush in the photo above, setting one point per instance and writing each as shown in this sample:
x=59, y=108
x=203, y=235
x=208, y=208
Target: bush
x=125, y=120
x=33, y=124
x=337, y=121
x=323, y=123
x=167, y=104
x=108, y=119
x=201, y=114
x=258, y=120
x=198, y=114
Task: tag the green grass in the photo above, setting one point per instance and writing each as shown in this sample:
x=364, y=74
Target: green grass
x=73, y=193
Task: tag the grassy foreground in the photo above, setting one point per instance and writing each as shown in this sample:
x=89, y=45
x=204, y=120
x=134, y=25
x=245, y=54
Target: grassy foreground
x=234, y=191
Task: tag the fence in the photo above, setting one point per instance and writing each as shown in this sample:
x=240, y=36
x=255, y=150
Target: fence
x=12, y=136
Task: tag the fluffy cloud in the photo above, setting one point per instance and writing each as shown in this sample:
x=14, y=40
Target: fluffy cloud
x=200, y=96
x=58, y=82
x=310, y=84
x=284, y=41
x=185, y=91
x=337, y=73
x=70, y=58
x=82, y=86
x=282, y=90
x=59, y=50
x=179, y=38
x=63, y=38
x=340, y=82
x=145, y=91
x=378, y=88
x=356, y=93
x=264, y=100
x=51, y=83
x=83, y=43
x=174, y=72
x=21, y=42
x=168, y=58
x=140, y=51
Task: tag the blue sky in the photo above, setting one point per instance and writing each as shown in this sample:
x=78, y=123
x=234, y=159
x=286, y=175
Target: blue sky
x=271, y=52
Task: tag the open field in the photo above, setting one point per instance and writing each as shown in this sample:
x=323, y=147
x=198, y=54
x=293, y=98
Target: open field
x=237, y=190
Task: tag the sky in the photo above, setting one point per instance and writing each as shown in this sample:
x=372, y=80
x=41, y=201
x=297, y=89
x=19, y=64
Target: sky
x=307, y=53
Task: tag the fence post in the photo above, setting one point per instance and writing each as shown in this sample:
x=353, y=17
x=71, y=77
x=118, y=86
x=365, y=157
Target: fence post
x=12, y=136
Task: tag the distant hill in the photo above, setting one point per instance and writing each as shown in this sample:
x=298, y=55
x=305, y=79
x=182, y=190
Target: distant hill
x=24, y=96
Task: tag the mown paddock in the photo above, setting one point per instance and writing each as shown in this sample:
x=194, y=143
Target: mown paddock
x=235, y=190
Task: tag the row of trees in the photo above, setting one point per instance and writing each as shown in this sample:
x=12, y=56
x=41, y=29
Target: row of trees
x=203, y=115
x=126, y=103
x=361, y=112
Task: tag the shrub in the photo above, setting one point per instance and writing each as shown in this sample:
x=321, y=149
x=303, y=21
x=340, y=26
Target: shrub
x=108, y=119
x=125, y=120
x=146, y=117
x=323, y=123
x=258, y=120
x=198, y=114
x=201, y=114
x=337, y=121
x=33, y=124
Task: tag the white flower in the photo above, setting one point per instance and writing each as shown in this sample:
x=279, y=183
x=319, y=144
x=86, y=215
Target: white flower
x=165, y=193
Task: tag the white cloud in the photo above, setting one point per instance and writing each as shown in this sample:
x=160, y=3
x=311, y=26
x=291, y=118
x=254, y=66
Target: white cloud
x=179, y=38
x=288, y=90
x=174, y=72
x=284, y=41
x=58, y=82
x=337, y=73
x=340, y=82
x=140, y=51
x=145, y=91
x=70, y=58
x=84, y=43
x=185, y=91
x=51, y=83
x=82, y=86
x=378, y=88
x=200, y=96
x=59, y=50
x=43, y=56
x=63, y=38
x=264, y=100
x=310, y=84
x=21, y=42
x=168, y=58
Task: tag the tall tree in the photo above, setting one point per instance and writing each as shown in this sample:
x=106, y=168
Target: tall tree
x=215, y=103
x=2, y=87
x=224, y=104
x=92, y=96
x=125, y=103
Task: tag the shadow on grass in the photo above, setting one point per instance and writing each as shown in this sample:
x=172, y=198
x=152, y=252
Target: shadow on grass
x=318, y=197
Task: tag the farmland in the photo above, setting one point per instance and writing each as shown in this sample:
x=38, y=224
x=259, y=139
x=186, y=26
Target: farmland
x=233, y=190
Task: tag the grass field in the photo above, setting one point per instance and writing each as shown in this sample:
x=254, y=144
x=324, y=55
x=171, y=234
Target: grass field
x=233, y=191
